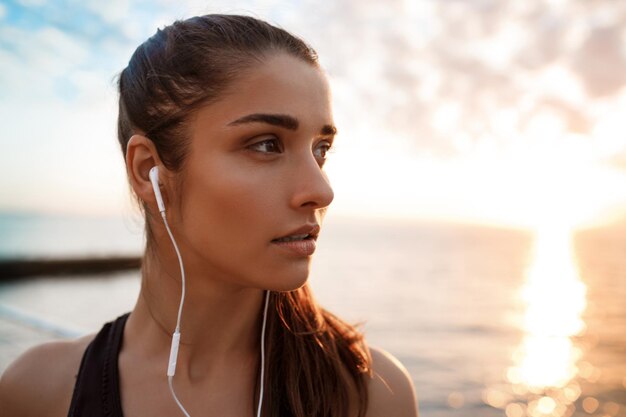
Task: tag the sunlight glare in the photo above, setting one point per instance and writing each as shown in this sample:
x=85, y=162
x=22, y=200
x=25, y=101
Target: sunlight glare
x=555, y=299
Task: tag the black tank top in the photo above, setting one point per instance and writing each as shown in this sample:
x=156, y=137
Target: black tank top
x=97, y=390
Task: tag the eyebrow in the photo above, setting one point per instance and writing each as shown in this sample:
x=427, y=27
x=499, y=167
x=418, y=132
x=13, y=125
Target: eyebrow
x=281, y=120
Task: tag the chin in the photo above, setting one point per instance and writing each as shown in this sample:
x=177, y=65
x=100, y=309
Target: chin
x=289, y=275
x=291, y=283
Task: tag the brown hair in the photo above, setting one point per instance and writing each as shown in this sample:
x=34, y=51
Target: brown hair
x=315, y=359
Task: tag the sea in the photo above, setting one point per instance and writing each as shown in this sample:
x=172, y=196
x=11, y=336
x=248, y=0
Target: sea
x=488, y=321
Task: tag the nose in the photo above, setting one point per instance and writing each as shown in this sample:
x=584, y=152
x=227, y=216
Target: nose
x=311, y=185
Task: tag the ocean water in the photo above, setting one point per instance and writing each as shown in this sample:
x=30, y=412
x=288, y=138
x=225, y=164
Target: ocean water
x=488, y=322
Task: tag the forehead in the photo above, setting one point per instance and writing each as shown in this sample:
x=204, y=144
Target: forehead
x=282, y=84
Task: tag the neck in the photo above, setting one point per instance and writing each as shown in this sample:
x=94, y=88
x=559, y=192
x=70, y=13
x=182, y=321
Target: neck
x=219, y=322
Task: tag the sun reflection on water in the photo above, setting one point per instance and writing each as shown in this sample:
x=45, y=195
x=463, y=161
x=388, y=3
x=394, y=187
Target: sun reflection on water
x=546, y=363
x=555, y=299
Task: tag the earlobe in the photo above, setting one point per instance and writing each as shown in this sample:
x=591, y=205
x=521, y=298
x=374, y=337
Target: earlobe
x=141, y=156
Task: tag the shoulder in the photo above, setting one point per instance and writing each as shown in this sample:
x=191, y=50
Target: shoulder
x=41, y=380
x=391, y=391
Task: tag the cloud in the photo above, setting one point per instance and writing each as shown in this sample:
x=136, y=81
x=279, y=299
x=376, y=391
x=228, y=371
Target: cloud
x=403, y=62
x=58, y=106
x=429, y=78
x=601, y=62
x=403, y=66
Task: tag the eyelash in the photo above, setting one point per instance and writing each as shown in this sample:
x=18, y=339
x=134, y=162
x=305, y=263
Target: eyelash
x=275, y=141
x=329, y=148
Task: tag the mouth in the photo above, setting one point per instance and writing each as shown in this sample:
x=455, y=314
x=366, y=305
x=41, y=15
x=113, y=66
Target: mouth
x=301, y=245
x=305, y=233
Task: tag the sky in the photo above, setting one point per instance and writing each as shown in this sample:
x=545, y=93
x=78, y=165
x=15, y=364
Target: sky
x=486, y=111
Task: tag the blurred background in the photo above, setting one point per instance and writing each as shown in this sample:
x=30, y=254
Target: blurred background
x=479, y=222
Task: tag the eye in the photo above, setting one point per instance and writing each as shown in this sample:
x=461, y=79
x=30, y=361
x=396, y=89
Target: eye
x=270, y=145
x=325, y=147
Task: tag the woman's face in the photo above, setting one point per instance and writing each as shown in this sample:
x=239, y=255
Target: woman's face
x=254, y=173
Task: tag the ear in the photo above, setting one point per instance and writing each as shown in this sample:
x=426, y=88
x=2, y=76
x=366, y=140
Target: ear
x=141, y=156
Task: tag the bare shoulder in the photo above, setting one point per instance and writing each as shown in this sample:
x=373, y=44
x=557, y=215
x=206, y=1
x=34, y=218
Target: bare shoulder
x=391, y=391
x=41, y=380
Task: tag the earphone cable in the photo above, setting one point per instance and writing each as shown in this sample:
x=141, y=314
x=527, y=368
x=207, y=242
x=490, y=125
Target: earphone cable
x=170, y=383
x=180, y=310
x=177, y=330
x=182, y=273
x=267, y=299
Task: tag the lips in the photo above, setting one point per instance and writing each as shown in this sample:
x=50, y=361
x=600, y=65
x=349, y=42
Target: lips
x=311, y=230
x=299, y=242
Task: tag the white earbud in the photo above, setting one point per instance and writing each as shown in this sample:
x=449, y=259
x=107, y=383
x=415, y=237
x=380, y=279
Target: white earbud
x=154, y=179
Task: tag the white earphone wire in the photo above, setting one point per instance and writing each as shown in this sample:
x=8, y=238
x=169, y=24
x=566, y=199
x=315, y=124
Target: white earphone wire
x=180, y=313
x=182, y=273
x=262, y=377
x=170, y=383
x=170, y=378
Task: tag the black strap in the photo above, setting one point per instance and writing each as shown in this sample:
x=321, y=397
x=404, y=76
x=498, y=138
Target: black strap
x=97, y=393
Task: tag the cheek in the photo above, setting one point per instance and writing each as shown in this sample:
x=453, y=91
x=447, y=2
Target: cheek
x=230, y=214
x=229, y=205
x=231, y=210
